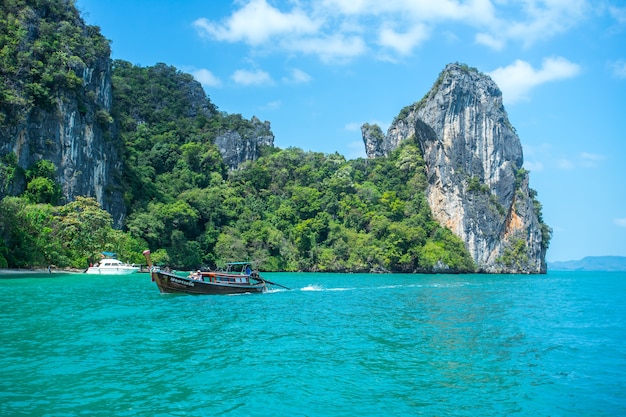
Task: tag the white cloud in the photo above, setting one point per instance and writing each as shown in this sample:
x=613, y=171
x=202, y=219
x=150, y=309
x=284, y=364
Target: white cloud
x=619, y=69
x=348, y=7
x=337, y=48
x=450, y=37
x=490, y=41
x=257, y=77
x=533, y=166
x=543, y=157
x=620, y=222
x=618, y=13
x=403, y=43
x=206, y=78
x=539, y=20
x=591, y=160
x=272, y=105
x=341, y=30
x=256, y=23
x=297, y=76
x=423, y=10
x=518, y=79
x=565, y=164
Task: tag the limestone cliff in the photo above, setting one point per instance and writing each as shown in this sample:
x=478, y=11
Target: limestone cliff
x=56, y=102
x=238, y=146
x=473, y=157
x=180, y=100
x=63, y=100
x=374, y=140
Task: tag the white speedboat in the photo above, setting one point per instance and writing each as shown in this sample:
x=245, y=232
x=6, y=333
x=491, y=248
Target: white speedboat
x=109, y=266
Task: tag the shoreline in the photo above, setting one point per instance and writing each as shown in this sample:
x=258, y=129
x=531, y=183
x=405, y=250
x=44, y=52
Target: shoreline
x=39, y=270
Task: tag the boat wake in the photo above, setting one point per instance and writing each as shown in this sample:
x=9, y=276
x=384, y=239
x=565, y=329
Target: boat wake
x=317, y=287
x=312, y=288
x=273, y=290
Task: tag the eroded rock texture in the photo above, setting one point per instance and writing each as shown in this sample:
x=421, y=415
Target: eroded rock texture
x=473, y=158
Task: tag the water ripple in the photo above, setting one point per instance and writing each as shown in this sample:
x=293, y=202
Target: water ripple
x=339, y=345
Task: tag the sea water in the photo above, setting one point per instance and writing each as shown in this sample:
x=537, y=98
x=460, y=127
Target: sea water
x=335, y=345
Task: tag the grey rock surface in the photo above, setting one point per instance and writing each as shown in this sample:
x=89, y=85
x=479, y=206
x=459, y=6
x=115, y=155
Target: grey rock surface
x=473, y=157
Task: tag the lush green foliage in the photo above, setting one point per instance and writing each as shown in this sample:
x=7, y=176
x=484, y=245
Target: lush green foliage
x=521, y=175
x=168, y=127
x=296, y=210
x=515, y=254
x=9, y=172
x=289, y=209
x=41, y=187
x=37, y=234
x=44, y=49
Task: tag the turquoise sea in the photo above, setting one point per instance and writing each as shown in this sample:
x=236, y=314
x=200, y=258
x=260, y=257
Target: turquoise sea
x=336, y=345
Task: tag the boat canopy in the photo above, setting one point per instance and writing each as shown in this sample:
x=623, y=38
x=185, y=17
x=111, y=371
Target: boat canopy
x=243, y=267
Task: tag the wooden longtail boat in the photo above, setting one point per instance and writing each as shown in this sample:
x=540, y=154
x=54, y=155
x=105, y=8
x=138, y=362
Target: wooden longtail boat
x=210, y=282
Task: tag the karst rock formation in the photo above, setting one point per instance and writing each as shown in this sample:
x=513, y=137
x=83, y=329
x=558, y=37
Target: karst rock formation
x=473, y=161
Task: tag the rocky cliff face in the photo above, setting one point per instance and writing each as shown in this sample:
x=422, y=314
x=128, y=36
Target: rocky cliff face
x=56, y=104
x=476, y=184
x=65, y=120
x=76, y=142
x=181, y=100
x=237, y=147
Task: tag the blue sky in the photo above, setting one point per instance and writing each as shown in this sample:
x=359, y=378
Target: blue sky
x=318, y=70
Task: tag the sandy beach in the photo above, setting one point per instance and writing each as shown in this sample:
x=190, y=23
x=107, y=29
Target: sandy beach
x=12, y=271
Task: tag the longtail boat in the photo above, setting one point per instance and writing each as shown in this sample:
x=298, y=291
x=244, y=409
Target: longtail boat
x=228, y=281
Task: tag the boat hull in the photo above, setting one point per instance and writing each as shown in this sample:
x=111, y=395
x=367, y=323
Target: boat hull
x=112, y=271
x=110, y=266
x=170, y=283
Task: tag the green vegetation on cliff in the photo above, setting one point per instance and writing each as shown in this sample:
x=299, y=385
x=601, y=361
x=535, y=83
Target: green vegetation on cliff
x=298, y=210
x=44, y=49
x=166, y=132
x=40, y=234
x=291, y=209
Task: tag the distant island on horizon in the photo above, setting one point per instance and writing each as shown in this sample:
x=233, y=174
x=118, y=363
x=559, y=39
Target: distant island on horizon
x=591, y=263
